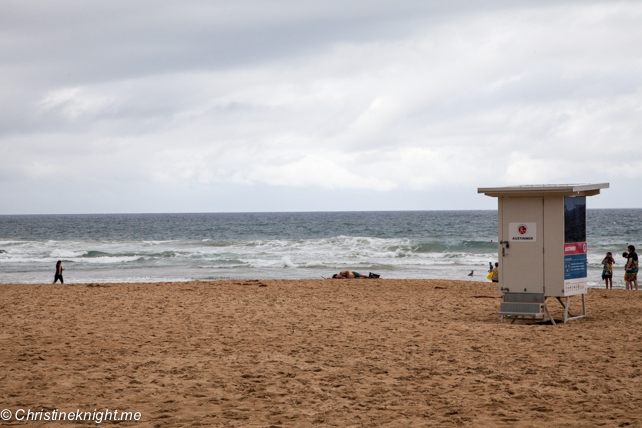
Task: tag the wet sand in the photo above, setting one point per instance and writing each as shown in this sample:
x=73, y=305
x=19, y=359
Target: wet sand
x=352, y=353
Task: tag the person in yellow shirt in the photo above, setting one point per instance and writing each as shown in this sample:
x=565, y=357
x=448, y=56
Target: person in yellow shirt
x=495, y=277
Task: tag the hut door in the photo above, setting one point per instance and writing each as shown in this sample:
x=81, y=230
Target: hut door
x=522, y=263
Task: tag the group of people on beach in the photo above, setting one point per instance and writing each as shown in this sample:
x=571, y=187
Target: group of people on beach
x=630, y=269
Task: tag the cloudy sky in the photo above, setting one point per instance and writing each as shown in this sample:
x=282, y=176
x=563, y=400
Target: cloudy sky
x=215, y=106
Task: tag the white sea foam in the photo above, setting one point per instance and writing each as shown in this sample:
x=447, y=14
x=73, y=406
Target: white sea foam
x=19, y=260
x=396, y=253
x=108, y=260
x=287, y=263
x=67, y=254
x=439, y=248
x=147, y=243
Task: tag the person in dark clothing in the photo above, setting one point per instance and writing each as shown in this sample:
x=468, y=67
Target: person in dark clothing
x=59, y=270
x=631, y=270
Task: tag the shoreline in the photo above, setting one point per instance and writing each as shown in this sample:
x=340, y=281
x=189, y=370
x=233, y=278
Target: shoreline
x=618, y=283
x=375, y=352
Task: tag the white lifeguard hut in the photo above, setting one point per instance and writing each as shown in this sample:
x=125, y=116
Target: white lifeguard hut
x=542, y=246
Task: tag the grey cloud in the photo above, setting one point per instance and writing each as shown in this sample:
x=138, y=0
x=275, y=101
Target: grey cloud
x=347, y=97
x=89, y=41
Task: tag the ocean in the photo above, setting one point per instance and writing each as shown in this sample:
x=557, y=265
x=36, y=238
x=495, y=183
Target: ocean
x=183, y=247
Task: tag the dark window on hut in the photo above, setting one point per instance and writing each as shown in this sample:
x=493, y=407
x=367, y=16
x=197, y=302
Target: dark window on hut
x=574, y=219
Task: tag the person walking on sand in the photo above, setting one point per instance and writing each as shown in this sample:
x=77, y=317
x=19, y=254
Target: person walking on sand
x=607, y=270
x=59, y=270
x=631, y=274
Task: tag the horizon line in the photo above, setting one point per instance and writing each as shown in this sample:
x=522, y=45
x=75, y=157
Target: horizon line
x=273, y=212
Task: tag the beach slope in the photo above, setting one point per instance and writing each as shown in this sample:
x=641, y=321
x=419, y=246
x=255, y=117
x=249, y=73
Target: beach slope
x=373, y=353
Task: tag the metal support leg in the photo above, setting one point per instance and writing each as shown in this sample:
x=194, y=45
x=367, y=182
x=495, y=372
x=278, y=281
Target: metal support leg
x=549, y=314
x=568, y=316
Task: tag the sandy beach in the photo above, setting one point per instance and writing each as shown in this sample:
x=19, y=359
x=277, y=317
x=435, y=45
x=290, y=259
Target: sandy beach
x=350, y=353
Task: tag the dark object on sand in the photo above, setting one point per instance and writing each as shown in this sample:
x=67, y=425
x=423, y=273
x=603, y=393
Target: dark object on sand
x=350, y=274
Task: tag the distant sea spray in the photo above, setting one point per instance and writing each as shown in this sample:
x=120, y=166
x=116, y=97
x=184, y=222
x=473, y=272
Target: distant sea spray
x=180, y=247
